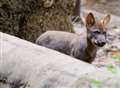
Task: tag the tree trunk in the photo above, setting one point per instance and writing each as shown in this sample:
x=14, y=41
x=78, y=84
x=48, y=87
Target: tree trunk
x=76, y=12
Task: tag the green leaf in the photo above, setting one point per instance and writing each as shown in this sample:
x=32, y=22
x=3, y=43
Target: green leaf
x=111, y=68
x=96, y=83
x=117, y=58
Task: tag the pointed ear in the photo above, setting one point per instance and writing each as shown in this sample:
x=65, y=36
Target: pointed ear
x=90, y=20
x=105, y=20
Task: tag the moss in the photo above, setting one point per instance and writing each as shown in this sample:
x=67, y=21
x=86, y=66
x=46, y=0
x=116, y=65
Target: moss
x=27, y=19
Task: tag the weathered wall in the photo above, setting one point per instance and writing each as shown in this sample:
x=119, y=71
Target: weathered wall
x=27, y=19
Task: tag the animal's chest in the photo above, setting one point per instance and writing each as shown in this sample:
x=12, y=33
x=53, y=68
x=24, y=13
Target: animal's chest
x=83, y=52
x=78, y=49
x=90, y=55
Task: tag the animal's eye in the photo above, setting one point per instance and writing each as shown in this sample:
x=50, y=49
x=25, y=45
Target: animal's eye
x=97, y=32
x=104, y=33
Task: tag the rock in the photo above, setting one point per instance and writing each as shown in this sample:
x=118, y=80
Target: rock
x=26, y=65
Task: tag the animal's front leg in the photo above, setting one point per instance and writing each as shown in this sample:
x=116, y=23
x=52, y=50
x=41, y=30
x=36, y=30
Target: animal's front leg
x=75, y=53
x=72, y=52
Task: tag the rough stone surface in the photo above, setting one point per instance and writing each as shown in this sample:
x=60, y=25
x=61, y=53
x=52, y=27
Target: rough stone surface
x=38, y=67
x=25, y=65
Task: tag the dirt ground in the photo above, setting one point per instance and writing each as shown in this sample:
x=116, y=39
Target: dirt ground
x=108, y=6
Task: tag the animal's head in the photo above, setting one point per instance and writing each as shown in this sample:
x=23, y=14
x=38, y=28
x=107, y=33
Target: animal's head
x=96, y=30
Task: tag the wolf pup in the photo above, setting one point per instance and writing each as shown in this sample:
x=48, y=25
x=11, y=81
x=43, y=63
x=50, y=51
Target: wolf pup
x=82, y=47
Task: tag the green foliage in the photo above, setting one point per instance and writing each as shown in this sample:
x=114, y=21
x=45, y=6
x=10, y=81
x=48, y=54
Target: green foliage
x=114, y=68
x=96, y=83
x=111, y=68
x=117, y=58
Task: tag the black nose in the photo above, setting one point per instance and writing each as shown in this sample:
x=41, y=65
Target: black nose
x=103, y=43
x=100, y=44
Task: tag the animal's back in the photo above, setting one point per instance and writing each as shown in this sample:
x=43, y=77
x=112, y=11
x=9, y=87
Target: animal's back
x=56, y=35
x=57, y=40
x=65, y=42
